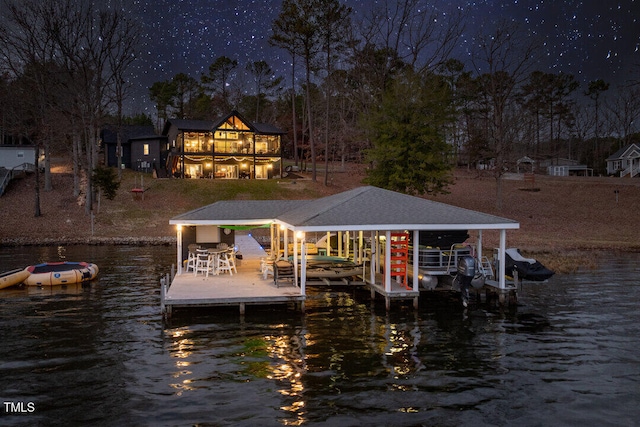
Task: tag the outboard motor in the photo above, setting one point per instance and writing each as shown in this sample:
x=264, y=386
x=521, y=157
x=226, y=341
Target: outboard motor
x=466, y=272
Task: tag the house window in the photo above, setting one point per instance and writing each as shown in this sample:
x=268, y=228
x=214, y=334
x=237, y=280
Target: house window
x=145, y=149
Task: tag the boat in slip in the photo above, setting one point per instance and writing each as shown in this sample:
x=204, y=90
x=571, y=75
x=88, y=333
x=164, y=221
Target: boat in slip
x=13, y=277
x=60, y=273
x=527, y=268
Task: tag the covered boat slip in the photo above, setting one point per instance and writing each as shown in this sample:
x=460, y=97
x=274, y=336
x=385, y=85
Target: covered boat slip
x=380, y=223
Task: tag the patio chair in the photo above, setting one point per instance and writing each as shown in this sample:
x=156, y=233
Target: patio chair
x=226, y=263
x=191, y=258
x=266, y=266
x=283, y=270
x=203, y=263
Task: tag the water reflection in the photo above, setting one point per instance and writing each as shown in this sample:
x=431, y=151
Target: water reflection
x=567, y=354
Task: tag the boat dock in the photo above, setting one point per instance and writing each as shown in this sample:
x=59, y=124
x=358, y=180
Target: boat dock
x=249, y=287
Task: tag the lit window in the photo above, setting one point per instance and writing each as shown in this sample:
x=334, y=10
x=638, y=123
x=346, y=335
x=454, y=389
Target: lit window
x=146, y=149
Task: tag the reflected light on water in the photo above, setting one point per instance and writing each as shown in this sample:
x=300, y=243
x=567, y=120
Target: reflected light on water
x=290, y=374
x=398, y=352
x=182, y=349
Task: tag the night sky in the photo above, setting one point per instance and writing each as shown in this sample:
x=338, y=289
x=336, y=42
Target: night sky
x=590, y=39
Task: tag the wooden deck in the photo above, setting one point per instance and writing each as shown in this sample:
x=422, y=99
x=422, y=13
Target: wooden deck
x=246, y=287
x=249, y=287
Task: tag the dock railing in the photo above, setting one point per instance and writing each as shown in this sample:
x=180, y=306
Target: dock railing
x=165, y=283
x=441, y=261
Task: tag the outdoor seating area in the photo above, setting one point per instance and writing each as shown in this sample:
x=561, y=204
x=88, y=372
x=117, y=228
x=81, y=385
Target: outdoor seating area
x=214, y=261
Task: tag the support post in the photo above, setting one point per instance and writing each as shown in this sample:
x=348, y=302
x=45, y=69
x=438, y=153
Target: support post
x=286, y=243
x=303, y=265
x=179, y=247
x=163, y=290
x=416, y=261
x=501, y=257
x=387, y=262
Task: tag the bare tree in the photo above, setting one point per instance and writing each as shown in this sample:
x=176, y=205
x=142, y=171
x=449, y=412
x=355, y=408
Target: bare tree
x=265, y=81
x=417, y=32
x=594, y=92
x=27, y=49
x=97, y=46
x=297, y=28
x=622, y=114
x=121, y=56
x=334, y=23
x=503, y=59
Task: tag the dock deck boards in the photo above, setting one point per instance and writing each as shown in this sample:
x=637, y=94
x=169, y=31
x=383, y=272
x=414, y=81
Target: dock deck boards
x=248, y=286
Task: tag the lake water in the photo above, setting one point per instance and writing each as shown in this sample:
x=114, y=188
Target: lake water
x=101, y=355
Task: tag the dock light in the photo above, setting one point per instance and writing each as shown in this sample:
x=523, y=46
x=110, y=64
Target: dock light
x=300, y=235
x=282, y=227
x=179, y=227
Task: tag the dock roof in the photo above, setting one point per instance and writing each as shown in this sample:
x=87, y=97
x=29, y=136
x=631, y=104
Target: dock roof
x=362, y=208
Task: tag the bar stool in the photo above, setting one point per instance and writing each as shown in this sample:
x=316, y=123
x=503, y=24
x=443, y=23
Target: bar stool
x=191, y=258
x=266, y=266
x=203, y=262
x=226, y=263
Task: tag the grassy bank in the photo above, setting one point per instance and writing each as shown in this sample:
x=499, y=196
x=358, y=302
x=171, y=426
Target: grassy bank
x=560, y=218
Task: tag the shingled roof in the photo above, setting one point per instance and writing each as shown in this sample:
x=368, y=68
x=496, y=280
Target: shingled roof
x=363, y=208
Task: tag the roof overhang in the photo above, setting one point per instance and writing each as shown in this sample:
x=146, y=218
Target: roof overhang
x=360, y=209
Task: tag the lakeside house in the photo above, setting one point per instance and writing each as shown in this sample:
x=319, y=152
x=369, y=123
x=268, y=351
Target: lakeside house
x=140, y=148
x=15, y=159
x=227, y=148
x=625, y=162
x=17, y=156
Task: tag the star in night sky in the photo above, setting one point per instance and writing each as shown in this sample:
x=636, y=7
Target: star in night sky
x=590, y=39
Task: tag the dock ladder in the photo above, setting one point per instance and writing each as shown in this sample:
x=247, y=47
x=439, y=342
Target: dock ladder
x=486, y=268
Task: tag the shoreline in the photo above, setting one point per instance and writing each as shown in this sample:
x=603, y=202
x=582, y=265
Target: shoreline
x=92, y=241
x=564, y=224
x=560, y=260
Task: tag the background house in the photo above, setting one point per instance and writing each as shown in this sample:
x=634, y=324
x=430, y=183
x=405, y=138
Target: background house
x=15, y=159
x=625, y=162
x=142, y=149
x=16, y=156
x=228, y=148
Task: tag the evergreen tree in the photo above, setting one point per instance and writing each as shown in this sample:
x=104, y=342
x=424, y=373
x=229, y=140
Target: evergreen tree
x=410, y=153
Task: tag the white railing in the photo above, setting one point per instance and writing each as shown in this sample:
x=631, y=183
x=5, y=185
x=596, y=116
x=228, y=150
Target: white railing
x=434, y=259
x=632, y=170
x=7, y=176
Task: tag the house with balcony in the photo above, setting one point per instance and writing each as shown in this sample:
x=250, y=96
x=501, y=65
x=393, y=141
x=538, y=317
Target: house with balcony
x=228, y=148
x=625, y=162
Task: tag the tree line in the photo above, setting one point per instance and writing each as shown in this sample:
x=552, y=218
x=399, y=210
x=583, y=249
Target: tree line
x=351, y=81
x=65, y=73
x=386, y=89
